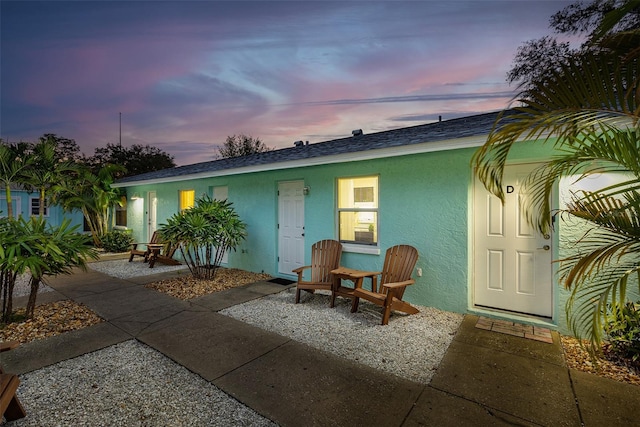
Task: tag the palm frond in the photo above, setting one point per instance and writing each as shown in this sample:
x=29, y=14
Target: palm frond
x=597, y=91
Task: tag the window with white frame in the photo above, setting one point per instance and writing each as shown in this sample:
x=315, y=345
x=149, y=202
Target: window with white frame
x=121, y=212
x=35, y=207
x=358, y=210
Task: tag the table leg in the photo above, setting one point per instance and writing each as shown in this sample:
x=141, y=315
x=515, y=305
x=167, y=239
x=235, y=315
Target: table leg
x=336, y=285
x=356, y=300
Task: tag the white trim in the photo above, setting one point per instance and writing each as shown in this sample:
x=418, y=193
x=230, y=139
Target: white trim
x=404, y=150
x=360, y=249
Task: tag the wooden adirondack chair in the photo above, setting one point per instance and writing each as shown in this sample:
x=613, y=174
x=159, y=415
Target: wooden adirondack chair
x=325, y=256
x=399, y=263
x=147, y=251
x=163, y=253
x=10, y=406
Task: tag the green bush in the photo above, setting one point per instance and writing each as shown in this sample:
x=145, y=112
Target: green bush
x=623, y=329
x=117, y=241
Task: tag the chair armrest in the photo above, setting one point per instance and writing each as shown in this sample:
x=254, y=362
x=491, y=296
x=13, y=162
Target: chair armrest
x=135, y=244
x=399, y=284
x=301, y=269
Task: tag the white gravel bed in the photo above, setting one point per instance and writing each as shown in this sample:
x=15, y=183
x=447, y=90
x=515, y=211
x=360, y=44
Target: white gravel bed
x=128, y=384
x=23, y=287
x=123, y=269
x=409, y=346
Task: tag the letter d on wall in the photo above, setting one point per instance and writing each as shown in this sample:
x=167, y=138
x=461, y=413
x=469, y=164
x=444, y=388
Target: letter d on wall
x=510, y=189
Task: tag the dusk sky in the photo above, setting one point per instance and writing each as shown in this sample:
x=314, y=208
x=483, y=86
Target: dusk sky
x=185, y=75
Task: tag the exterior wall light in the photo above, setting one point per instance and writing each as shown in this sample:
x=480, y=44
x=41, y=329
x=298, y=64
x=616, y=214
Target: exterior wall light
x=306, y=190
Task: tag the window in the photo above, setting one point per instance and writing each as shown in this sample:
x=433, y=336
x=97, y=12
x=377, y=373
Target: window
x=187, y=199
x=35, y=207
x=358, y=210
x=121, y=213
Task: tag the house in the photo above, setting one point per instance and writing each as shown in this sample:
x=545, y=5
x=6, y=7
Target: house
x=412, y=185
x=27, y=204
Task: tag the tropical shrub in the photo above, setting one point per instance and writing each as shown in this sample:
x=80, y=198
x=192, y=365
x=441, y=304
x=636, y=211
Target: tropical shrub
x=623, y=330
x=32, y=246
x=204, y=232
x=117, y=241
x=589, y=112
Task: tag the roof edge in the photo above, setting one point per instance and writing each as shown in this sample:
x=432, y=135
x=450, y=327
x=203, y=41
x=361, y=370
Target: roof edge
x=420, y=148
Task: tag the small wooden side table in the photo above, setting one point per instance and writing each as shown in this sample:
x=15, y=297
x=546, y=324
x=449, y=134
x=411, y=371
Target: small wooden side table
x=356, y=276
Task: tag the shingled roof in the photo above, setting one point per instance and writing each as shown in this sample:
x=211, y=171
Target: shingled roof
x=311, y=154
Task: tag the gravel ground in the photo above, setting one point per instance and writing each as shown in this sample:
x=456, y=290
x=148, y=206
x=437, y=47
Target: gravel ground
x=358, y=336
x=128, y=384
x=23, y=288
x=123, y=269
x=132, y=384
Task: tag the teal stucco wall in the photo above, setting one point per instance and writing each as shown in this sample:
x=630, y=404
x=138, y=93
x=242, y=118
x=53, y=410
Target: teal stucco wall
x=423, y=202
x=22, y=205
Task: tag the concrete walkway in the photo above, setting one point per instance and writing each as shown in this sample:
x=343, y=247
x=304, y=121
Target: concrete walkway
x=485, y=378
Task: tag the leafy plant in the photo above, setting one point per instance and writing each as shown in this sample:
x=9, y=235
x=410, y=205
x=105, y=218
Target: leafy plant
x=93, y=195
x=32, y=246
x=205, y=232
x=589, y=111
x=117, y=241
x=623, y=330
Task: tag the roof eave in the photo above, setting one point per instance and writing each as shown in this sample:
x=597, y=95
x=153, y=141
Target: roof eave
x=404, y=150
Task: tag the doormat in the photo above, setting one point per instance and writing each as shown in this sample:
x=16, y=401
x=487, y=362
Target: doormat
x=516, y=329
x=280, y=281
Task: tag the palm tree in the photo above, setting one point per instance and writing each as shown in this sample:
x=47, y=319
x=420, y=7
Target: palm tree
x=93, y=195
x=13, y=164
x=32, y=246
x=589, y=112
x=46, y=171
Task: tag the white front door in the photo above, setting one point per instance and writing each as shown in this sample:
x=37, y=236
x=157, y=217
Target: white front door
x=512, y=261
x=290, y=226
x=152, y=209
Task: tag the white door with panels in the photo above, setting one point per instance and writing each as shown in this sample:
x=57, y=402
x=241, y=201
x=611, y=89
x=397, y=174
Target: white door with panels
x=290, y=226
x=512, y=260
x=152, y=210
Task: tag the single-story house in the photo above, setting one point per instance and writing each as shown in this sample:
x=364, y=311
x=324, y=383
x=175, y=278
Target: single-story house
x=27, y=204
x=413, y=185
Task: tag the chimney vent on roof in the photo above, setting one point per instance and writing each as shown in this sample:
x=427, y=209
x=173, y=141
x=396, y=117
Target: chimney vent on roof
x=356, y=132
x=298, y=143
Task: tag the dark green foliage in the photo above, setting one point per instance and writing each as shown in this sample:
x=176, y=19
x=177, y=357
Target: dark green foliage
x=36, y=248
x=623, y=330
x=135, y=160
x=205, y=232
x=241, y=145
x=117, y=241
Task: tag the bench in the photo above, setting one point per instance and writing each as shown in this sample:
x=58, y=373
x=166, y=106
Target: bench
x=10, y=406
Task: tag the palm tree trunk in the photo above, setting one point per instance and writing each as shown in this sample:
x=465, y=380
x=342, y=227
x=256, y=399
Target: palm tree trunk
x=41, y=207
x=31, y=304
x=7, y=283
x=9, y=201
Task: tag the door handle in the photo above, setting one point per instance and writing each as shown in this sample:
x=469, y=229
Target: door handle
x=545, y=247
x=302, y=234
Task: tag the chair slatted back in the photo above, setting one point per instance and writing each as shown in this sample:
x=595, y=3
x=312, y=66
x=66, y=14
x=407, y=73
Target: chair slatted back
x=325, y=256
x=399, y=263
x=155, y=238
